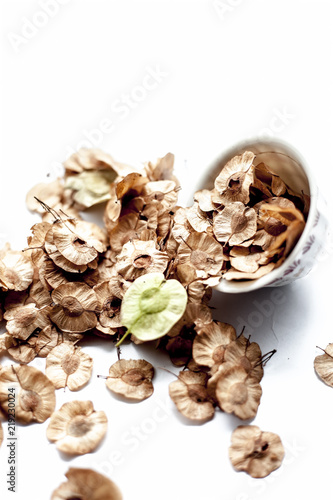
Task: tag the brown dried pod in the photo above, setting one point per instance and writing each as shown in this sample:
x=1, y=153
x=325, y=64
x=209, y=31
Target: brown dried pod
x=1, y=433
x=165, y=192
x=39, y=292
x=74, y=309
x=94, y=159
x=249, y=263
x=51, y=193
x=233, y=182
x=203, y=252
x=204, y=199
x=180, y=348
x=21, y=351
x=128, y=227
x=22, y=321
x=140, y=257
x=242, y=352
x=68, y=366
x=131, y=378
x=256, y=452
x=198, y=219
x=323, y=365
x=189, y=393
x=233, y=274
x=16, y=270
x=235, y=224
x=61, y=261
x=209, y=346
x=161, y=169
x=86, y=484
x=35, y=394
x=80, y=242
x=77, y=428
x=109, y=296
x=238, y=392
x=196, y=316
x=181, y=228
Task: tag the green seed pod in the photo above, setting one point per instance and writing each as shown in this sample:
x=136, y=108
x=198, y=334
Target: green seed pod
x=152, y=305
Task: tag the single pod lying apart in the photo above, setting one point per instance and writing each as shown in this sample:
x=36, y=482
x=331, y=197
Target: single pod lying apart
x=151, y=306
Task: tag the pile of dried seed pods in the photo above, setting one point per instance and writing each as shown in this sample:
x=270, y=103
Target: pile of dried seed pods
x=72, y=278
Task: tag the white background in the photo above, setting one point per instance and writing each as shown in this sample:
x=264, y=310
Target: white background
x=228, y=70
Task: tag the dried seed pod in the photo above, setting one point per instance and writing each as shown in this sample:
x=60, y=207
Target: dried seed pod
x=80, y=242
x=131, y=378
x=242, y=352
x=233, y=182
x=196, y=315
x=16, y=270
x=232, y=274
x=152, y=305
x=204, y=199
x=1, y=433
x=21, y=351
x=203, y=252
x=161, y=169
x=235, y=223
x=68, y=366
x=239, y=393
x=94, y=159
x=51, y=193
x=180, y=348
x=132, y=185
x=256, y=452
x=189, y=393
x=209, y=346
x=140, y=257
x=22, y=321
x=128, y=227
x=249, y=263
x=110, y=295
x=61, y=261
x=164, y=191
x=74, y=309
x=77, y=428
x=86, y=484
x=35, y=394
x=323, y=365
x=198, y=219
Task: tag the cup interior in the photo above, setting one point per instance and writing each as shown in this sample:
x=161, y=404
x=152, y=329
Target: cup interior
x=285, y=161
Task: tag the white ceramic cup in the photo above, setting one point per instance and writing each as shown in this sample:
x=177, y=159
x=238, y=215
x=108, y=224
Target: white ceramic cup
x=284, y=160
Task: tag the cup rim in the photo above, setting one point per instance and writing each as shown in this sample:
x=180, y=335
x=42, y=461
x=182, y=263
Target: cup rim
x=250, y=285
